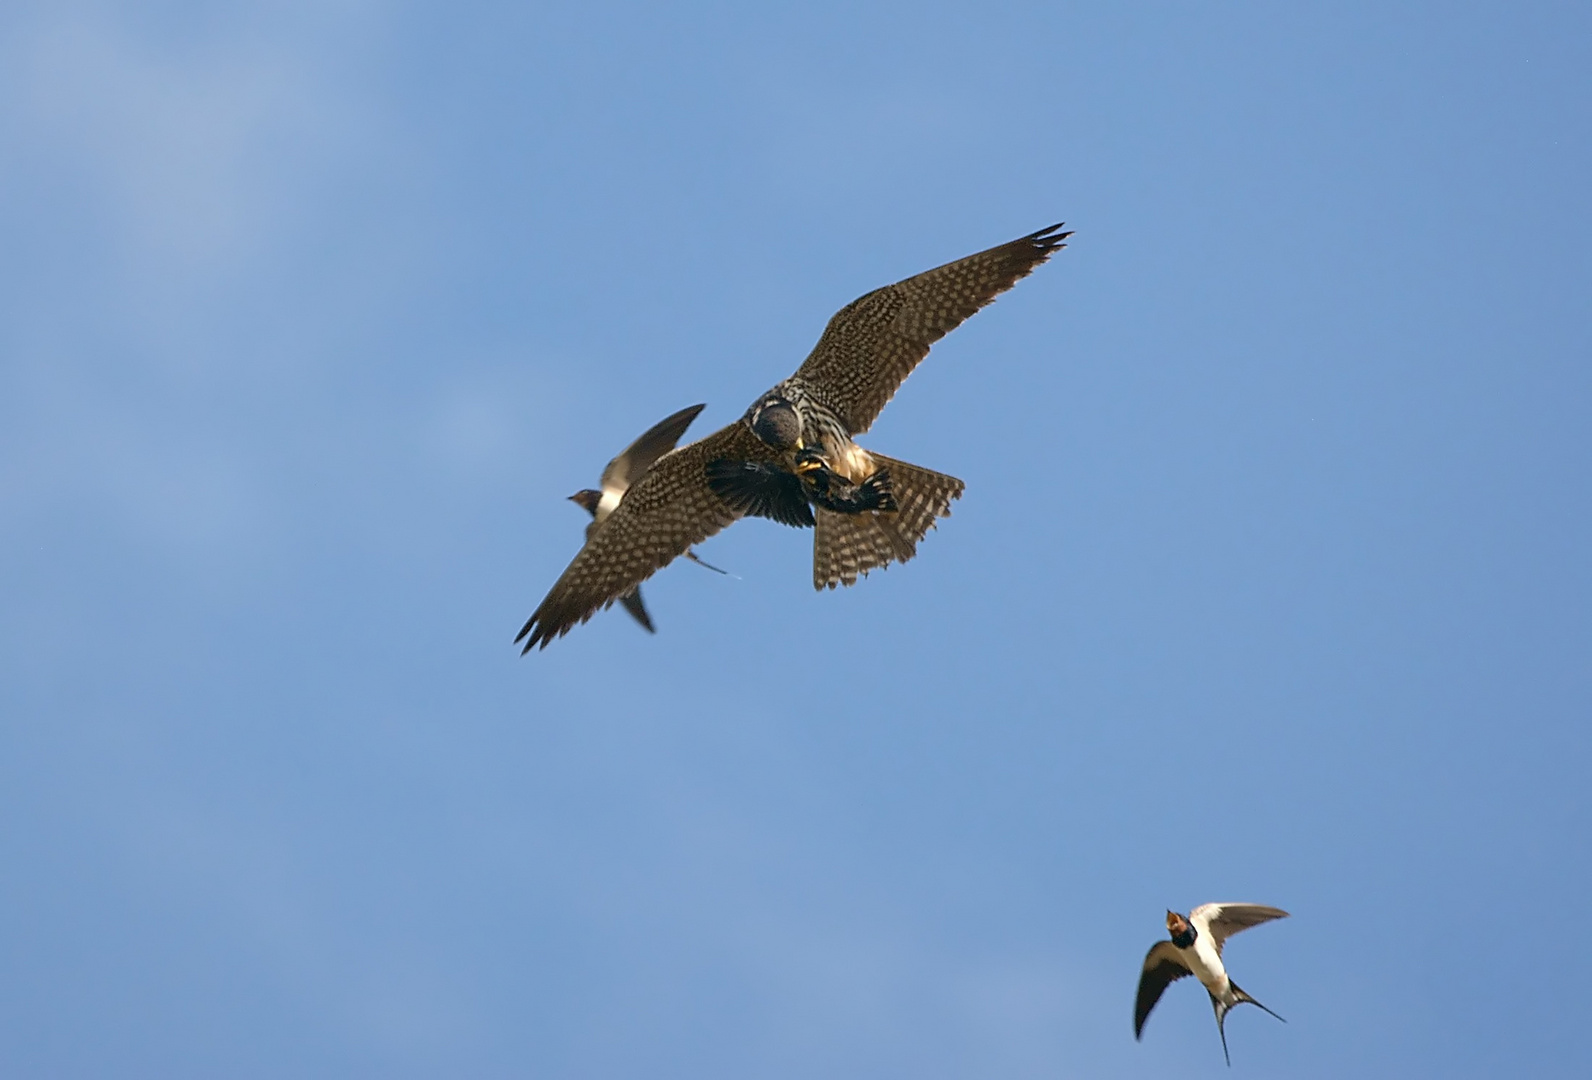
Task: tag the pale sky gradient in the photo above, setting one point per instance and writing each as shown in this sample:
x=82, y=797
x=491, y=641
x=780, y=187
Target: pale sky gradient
x=1271, y=583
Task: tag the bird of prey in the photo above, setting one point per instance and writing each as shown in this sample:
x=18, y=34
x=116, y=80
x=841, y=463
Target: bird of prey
x=625, y=470
x=792, y=457
x=1196, y=949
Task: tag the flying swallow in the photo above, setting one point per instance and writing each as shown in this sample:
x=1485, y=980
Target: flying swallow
x=620, y=474
x=1196, y=949
x=793, y=457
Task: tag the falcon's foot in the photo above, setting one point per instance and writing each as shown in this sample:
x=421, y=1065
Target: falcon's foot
x=830, y=490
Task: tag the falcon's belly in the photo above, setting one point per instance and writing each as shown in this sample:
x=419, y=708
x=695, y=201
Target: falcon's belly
x=849, y=460
x=823, y=428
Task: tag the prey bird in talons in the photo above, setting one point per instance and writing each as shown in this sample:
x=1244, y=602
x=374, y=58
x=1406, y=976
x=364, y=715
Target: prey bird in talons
x=1195, y=949
x=792, y=457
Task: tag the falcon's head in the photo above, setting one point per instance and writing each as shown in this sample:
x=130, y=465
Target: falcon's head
x=776, y=421
x=587, y=500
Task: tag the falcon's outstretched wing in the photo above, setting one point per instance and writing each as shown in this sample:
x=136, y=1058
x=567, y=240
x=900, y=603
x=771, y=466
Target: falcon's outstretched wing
x=872, y=344
x=1162, y=967
x=1222, y=921
x=665, y=512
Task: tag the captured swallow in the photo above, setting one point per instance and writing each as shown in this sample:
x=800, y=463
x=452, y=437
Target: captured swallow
x=624, y=471
x=828, y=489
x=792, y=457
x=1196, y=949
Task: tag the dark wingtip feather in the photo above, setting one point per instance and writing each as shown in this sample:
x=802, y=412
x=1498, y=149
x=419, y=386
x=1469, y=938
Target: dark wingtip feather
x=537, y=633
x=1047, y=241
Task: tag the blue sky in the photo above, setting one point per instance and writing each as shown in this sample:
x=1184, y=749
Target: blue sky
x=1270, y=583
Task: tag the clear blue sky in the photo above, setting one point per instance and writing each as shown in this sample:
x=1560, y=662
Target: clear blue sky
x=1271, y=582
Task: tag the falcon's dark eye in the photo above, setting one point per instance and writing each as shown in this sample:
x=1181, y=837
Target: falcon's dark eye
x=777, y=424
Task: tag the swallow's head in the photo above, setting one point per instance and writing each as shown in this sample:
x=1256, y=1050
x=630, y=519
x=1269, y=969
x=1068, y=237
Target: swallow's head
x=1182, y=931
x=776, y=421
x=587, y=500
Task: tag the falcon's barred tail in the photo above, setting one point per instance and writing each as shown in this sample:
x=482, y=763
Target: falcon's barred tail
x=849, y=545
x=921, y=495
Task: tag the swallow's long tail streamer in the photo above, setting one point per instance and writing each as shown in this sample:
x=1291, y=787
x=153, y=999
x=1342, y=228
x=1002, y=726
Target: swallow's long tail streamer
x=705, y=564
x=1221, y=1015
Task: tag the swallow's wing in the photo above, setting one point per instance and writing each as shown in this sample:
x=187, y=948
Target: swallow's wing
x=668, y=510
x=637, y=609
x=1222, y=921
x=1162, y=967
x=872, y=344
x=761, y=489
x=638, y=457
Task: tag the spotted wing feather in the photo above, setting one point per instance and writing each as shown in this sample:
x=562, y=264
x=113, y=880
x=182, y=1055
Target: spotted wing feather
x=872, y=344
x=668, y=510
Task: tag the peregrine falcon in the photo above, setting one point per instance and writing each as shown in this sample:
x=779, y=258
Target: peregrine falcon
x=625, y=470
x=792, y=458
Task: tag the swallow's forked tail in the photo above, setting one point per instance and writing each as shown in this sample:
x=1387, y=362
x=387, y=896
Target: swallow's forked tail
x=1222, y=1011
x=848, y=545
x=705, y=564
x=638, y=610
